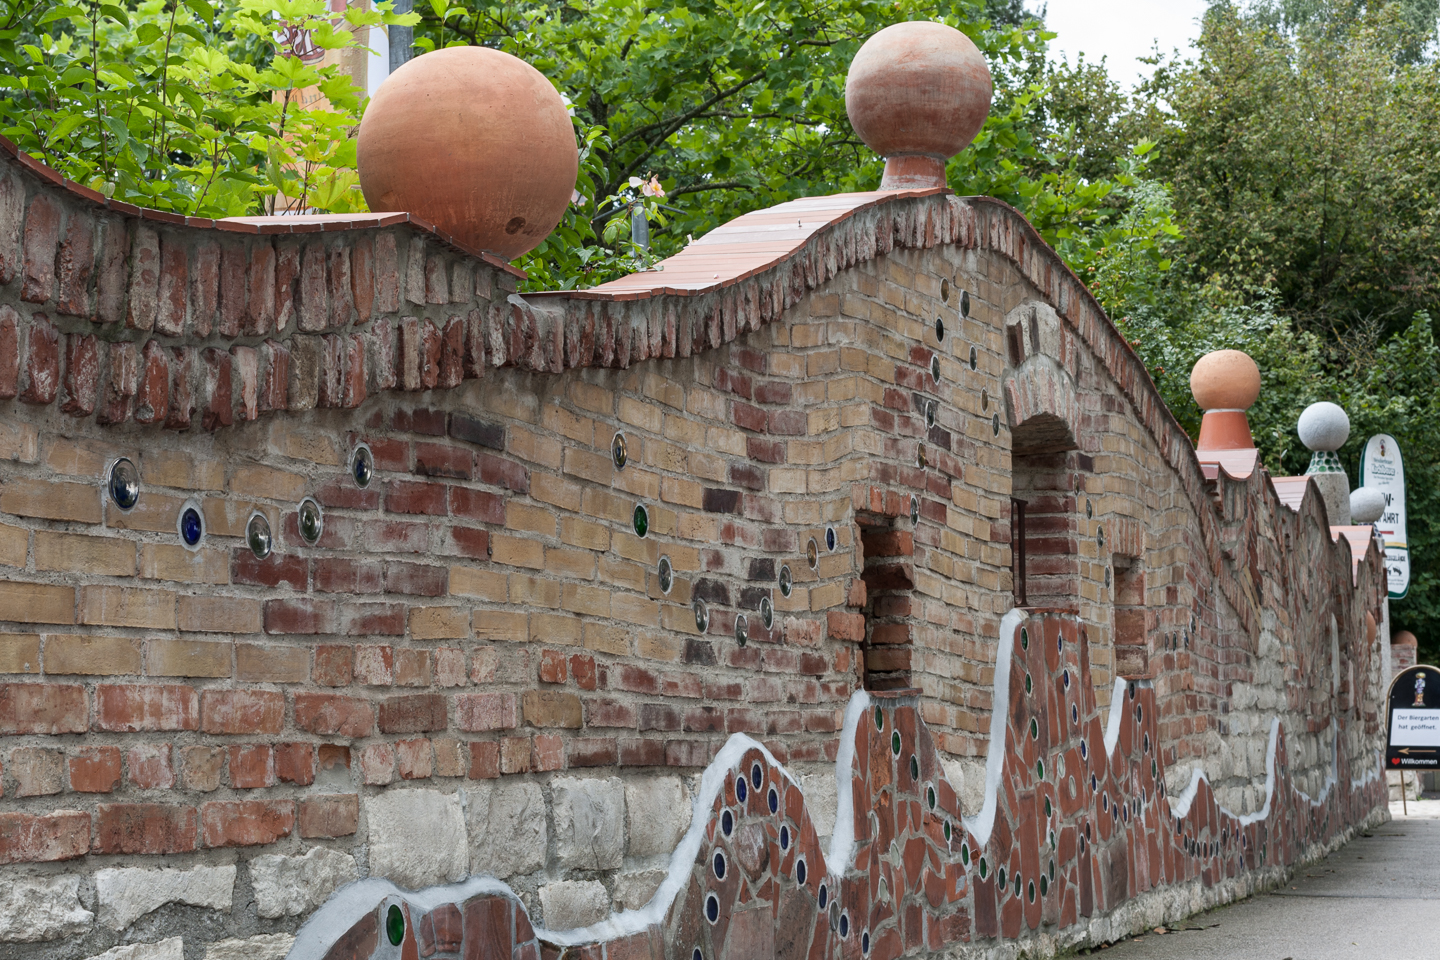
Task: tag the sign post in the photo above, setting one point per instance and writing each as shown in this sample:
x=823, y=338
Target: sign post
x=1412, y=740
x=1382, y=469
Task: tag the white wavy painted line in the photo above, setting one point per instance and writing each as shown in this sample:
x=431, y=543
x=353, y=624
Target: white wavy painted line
x=981, y=824
x=842, y=838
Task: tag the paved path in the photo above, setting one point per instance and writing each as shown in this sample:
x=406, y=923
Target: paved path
x=1377, y=898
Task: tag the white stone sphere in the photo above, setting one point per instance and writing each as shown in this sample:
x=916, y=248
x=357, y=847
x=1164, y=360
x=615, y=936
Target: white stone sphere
x=1366, y=505
x=1323, y=426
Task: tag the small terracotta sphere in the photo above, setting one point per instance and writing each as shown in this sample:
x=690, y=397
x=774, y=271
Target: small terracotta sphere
x=1404, y=639
x=1225, y=380
x=918, y=89
x=475, y=141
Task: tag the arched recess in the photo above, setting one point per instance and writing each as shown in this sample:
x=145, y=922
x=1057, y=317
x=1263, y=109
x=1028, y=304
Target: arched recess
x=1046, y=464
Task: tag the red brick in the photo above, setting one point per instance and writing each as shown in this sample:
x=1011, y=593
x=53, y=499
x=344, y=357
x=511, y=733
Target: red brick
x=150, y=766
x=9, y=352
x=174, y=282
x=251, y=765
x=582, y=668
x=504, y=473
x=337, y=271
x=144, y=279
x=345, y=495
x=375, y=666
x=112, y=273
x=412, y=667
x=82, y=375
x=43, y=708
x=77, y=262
x=477, y=505
x=303, y=615
x=469, y=542
x=687, y=753
x=414, y=759
x=261, y=308
x=442, y=460
x=515, y=755
x=232, y=289
x=552, y=666
x=449, y=667
x=486, y=711
x=205, y=288
x=642, y=753
x=362, y=276
x=95, y=770
x=273, y=389
x=333, y=664
x=42, y=362
x=42, y=235
x=152, y=393
x=416, y=579
x=600, y=712
x=26, y=838
x=415, y=713
x=337, y=575
x=373, y=619
x=391, y=536
x=311, y=305
x=547, y=752
x=329, y=714
x=377, y=764
x=845, y=626
x=182, y=397
x=144, y=828
x=242, y=711
x=420, y=420
x=118, y=399
x=295, y=763
x=130, y=708
x=332, y=815
x=217, y=391
x=409, y=496
x=484, y=760
x=274, y=570
x=246, y=823
x=592, y=752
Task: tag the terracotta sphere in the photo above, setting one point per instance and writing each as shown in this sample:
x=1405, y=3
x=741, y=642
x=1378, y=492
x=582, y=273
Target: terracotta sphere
x=1404, y=639
x=474, y=140
x=1225, y=380
x=918, y=88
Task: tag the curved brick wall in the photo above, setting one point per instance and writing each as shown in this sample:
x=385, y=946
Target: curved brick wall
x=476, y=670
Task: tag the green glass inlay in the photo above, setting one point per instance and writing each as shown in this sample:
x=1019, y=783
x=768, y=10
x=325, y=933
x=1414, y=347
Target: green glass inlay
x=394, y=925
x=642, y=520
x=879, y=719
x=895, y=743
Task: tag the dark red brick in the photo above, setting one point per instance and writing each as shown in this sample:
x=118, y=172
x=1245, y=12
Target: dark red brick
x=144, y=828
x=415, y=713
x=408, y=496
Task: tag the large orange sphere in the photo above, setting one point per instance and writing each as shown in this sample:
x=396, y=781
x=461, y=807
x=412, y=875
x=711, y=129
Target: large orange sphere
x=474, y=140
x=918, y=88
x=1225, y=380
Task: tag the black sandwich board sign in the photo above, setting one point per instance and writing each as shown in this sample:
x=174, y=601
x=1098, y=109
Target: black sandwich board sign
x=1413, y=738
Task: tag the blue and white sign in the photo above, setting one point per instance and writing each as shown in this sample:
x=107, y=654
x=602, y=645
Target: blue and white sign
x=1382, y=469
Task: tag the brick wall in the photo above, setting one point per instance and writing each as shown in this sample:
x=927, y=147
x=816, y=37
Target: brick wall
x=480, y=631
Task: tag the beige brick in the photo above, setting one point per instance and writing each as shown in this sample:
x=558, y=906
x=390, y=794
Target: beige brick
x=542, y=451
x=568, y=424
x=79, y=554
x=227, y=518
x=498, y=625
x=127, y=607
x=78, y=458
x=635, y=609
x=19, y=653
x=514, y=404
x=587, y=465
x=555, y=628
x=548, y=488
x=439, y=623
x=77, y=502
x=182, y=471
x=91, y=655
x=475, y=582
x=644, y=484
x=14, y=545
x=155, y=513
x=302, y=442
x=269, y=663
x=605, y=639
x=534, y=591
x=686, y=493
x=188, y=658
x=622, y=574
x=19, y=441
x=267, y=483
x=566, y=562
x=643, y=415
x=584, y=533
x=667, y=392
x=587, y=601
x=590, y=397
x=168, y=561
x=659, y=646
x=514, y=552
x=36, y=602
x=519, y=516
x=219, y=614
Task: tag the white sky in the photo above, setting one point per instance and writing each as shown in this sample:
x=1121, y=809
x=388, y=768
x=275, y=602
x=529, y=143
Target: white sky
x=1120, y=30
